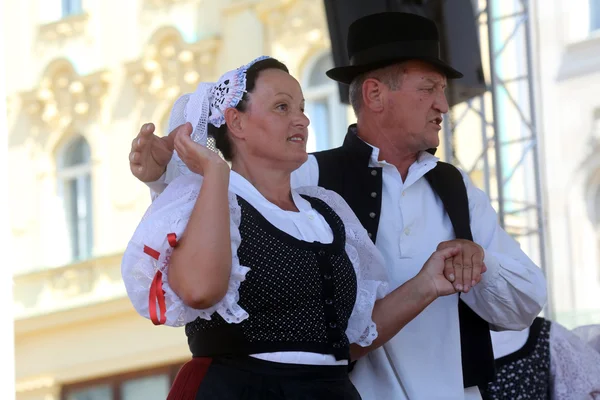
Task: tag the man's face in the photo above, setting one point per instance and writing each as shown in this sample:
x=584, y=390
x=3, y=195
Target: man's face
x=415, y=109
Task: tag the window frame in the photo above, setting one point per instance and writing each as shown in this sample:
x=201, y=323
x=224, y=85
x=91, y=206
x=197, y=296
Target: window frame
x=328, y=93
x=69, y=174
x=594, y=15
x=116, y=381
x=67, y=9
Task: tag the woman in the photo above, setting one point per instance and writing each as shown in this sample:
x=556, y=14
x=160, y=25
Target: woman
x=279, y=289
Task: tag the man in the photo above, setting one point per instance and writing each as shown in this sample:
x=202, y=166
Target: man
x=384, y=171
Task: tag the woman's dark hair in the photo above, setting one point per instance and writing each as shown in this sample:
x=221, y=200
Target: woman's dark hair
x=222, y=141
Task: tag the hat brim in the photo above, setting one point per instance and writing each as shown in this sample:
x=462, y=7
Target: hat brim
x=347, y=74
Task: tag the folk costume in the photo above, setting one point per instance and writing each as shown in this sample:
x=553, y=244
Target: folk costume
x=302, y=286
x=446, y=351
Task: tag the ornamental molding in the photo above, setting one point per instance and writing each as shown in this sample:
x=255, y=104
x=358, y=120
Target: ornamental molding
x=294, y=28
x=75, y=285
x=62, y=96
x=170, y=66
x=167, y=3
x=64, y=28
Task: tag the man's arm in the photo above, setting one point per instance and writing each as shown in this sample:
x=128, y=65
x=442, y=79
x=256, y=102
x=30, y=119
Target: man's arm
x=513, y=290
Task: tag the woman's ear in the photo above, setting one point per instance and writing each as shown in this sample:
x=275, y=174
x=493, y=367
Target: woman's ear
x=234, y=121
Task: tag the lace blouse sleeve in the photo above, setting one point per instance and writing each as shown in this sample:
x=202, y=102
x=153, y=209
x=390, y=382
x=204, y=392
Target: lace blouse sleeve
x=145, y=264
x=369, y=266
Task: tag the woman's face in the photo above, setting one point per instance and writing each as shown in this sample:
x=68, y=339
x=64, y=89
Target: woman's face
x=274, y=125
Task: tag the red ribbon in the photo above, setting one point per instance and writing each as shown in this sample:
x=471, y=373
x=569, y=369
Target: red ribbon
x=172, y=238
x=151, y=252
x=157, y=294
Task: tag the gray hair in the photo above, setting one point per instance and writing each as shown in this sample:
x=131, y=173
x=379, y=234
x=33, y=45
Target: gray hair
x=391, y=76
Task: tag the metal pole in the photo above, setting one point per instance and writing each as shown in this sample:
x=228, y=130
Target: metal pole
x=549, y=311
x=448, y=145
x=494, y=88
x=485, y=145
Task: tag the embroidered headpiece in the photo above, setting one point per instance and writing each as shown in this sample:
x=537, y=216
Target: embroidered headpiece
x=208, y=104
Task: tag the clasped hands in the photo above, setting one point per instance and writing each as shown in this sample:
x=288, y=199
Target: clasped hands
x=455, y=267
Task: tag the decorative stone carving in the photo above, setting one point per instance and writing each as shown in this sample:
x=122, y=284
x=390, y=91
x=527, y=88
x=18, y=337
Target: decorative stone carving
x=166, y=3
x=63, y=96
x=294, y=27
x=171, y=66
x=67, y=27
x=86, y=282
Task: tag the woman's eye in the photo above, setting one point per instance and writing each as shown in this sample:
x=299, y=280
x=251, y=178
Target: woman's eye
x=429, y=90
x=282, y=107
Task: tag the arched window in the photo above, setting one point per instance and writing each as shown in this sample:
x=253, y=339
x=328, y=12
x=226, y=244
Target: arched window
x=327, y=114
x=594, y=15
x=71, y=7
x=75, y=189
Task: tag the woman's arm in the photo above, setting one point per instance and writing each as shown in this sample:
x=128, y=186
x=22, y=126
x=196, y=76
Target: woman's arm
x=402, y=305
x=200, y=265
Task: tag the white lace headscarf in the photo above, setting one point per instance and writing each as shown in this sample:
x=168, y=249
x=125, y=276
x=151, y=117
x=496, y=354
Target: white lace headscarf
x=207, y=105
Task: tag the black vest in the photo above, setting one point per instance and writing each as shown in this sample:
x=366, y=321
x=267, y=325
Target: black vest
x=346, y=171
x=525, y=374
x=299, y=295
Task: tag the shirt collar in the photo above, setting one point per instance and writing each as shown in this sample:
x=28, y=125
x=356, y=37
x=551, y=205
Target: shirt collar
x=243, y=188
x=424, y=159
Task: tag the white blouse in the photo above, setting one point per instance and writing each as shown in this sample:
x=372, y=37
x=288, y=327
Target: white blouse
x=167, y=217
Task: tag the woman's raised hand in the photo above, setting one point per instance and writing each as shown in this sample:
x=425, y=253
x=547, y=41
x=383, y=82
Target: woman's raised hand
x=199, y=159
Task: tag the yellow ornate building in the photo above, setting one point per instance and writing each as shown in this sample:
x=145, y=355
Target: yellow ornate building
x=82, y=76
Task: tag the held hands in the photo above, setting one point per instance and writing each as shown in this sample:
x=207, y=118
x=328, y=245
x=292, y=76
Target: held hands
x=199, y=159
x=454, y=264
x=465, y=268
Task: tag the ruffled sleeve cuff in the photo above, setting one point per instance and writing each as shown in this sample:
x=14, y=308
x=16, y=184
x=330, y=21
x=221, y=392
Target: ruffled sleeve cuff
x=145, y=265
x=368, y=263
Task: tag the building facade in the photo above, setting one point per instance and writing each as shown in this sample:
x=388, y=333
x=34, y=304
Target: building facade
x=567, y=43
x=83, y=76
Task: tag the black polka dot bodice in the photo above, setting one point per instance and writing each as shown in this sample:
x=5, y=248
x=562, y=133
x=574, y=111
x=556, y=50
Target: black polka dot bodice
x=298, y=295
x=524, y=374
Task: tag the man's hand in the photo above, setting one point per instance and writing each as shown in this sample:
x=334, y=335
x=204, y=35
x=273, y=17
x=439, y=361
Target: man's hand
x=150, y=154
x=431, y=276
x=465, y=268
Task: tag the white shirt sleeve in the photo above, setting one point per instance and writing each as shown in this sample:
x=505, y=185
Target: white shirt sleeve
x=513, y=290
x=307, y=174
x=159, y=185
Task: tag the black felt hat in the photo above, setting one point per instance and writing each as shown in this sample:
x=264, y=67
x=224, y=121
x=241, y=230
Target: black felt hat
x=383, y=39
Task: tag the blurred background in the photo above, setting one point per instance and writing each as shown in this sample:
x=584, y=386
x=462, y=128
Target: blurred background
x=82, y=76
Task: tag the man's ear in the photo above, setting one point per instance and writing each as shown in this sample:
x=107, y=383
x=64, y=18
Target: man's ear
x=373, y=94
x=235, y=123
